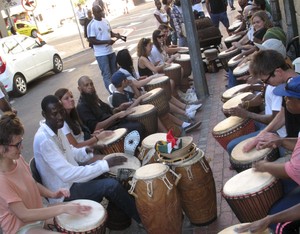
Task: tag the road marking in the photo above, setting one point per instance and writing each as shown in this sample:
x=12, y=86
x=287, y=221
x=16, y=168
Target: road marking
x=69, y=70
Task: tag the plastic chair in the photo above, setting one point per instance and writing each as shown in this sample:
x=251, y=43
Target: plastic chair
x=111, y=88
x=35, y=173
x=109, y=100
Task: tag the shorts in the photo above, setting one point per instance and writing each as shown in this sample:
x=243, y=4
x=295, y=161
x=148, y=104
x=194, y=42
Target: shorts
x=26, y=228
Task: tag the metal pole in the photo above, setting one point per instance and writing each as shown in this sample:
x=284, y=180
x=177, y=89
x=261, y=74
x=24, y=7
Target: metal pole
x=200, y=83
x=78, y=27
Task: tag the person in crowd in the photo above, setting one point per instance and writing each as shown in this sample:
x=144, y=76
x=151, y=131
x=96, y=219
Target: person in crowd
x=21, y=206
x=4, y=103
x=103, y=5
x=288, y=170
x=217, y=9
x=99, y=35
x=58, y=164
x=86, y=23
x=97, y=115
x=160, y=14
x=171, y=37
x=81, y=14
x=197, y=8
x=77, y=134
x=177, y=17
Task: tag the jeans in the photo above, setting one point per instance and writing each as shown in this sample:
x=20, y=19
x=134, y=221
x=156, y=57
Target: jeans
x=221, y=17
x=109, y=188
x=182, y=41
x=108, y=66
x=231, y=79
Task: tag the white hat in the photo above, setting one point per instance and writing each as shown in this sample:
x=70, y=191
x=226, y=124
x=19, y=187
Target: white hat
x=296, y=63
x=273, y=44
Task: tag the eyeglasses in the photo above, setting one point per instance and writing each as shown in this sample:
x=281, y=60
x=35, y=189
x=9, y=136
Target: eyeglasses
x=17, y=145
x=160, y=36
x=266, y=81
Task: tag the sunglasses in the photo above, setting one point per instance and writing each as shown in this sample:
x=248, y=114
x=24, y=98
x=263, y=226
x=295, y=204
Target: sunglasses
x=160, y=36
x=17, y=145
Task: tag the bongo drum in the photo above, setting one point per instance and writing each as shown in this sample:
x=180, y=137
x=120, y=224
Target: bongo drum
x=157, y=199
x=93, y=223
x=231, y=230
x=228, y=40
x=233, y=102
x=174, y=72
x=185, y=62
x=230, y=93
x=146, y=115
x=160, y=82
x=251, y=194
x=241, y=70
x=158, y=99
x=149, y=143
x=233, y=62
x=241, y=161
x=114, y=143
x=226, y=55
x=231, y=128
x=197, y=189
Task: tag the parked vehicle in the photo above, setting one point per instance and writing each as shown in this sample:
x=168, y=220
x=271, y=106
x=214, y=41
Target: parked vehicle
x=29, y=29
x=23, y=59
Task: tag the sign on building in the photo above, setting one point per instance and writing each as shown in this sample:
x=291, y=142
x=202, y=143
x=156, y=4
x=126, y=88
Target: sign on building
x=6, y=4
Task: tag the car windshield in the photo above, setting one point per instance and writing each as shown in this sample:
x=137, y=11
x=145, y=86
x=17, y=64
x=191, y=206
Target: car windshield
x=28, y=43
x=12, y=47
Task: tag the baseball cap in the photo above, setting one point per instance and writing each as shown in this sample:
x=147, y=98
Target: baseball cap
x=290, y=89
x=272, y=44
x=117, y=78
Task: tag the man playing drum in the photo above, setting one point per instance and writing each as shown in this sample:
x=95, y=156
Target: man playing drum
x=58, y=164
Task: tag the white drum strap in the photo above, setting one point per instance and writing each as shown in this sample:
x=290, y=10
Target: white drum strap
x=149, y=188
x=167, y=182
x=133, y=183
x=189, y=172
x=206, y=168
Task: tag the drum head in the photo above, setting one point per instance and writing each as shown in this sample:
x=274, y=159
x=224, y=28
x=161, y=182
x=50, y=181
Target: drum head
x=83, y=223
x=247, y=182
x=172, y=66
x=235, y=101
x=241, y=69
x=142, y=109
x=238, y=154
x=228, y=53
x=118, y=134
x=132, y=163
x=232, y=38
x=235, y=60
x=153, y=93
x=229, y=93
x=150, y=171
x=228, y=123
x=183, y=57
x=150, y=141
x=231, y=230
x=183, y=50
x=158, y=80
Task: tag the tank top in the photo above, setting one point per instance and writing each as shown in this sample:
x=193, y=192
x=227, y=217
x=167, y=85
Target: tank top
x=144, y=71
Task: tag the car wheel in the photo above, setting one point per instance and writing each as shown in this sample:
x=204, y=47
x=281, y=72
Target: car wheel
x=20, y=86
x=34, y=33
x=57, y=64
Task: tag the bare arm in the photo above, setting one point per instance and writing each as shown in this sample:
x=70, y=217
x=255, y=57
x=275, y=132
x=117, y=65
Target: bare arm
x=275, y=169
x=94, y=41
x=144, y=62
x=276, y=123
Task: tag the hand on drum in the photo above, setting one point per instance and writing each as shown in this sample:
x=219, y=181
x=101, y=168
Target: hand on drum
x=124, y=106
x=103, y=134
x=115, y=161
x=75, y=209
x=145, y=95
x=61, y=193
x=267, y=140
x=238, y=111
x=123, y=114
x=260, y=166
x=257, y=226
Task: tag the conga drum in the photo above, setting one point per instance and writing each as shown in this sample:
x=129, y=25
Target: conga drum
x=174, y=72
x=197, y=189
x=226, y=55
x=157, y=199
x=241, y=70
x=234, y=102
x=148, y=144
x=146, y=115
x=158, y=98
x=160, y=82
x=114, y=143
x=233, y=62
x=251, y=194
x=241, y=161
x=93, y=223
x=231, y=128
x=230, y=93
x=185, y=62
x=231, y=230
x=117, y=219
x=228, y=40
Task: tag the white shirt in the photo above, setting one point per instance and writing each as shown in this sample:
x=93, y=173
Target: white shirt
x=67, y=130
x=1, y=94
x=81, y=14
x=101, y=31
x=156, y=56
x=56, y=160
x=162, y=15
x=197, y=7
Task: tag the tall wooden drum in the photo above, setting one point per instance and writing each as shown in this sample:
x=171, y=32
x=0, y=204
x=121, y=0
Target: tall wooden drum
x=174, y=72
x=160, y=82
x=114, y=143
x=185, y=61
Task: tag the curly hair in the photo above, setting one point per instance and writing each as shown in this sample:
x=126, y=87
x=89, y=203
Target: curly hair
x=141, y=47
x=264, y=17
x=10, y=125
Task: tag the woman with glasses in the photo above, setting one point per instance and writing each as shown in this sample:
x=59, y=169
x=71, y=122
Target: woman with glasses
x=21, y=206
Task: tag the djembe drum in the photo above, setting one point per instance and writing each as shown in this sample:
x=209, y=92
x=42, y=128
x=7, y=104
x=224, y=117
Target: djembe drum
x=234, y=102
x=114, y=143
x=251, y=194
x=157, y=198
x=92, y=223
x=174, y=72
x=241, y=161
x=228, y=40
x=211, y=55
x=183, y=50
x=241, y=70
x=226, y=55
x=231, y=230
x=230, y=93
x=185, y=62
x=235, y=25
x=233, y=62
x=160, y=82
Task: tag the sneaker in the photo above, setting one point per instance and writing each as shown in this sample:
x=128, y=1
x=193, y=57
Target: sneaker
x=190, y=114
x=192, y=126
x=194, y=107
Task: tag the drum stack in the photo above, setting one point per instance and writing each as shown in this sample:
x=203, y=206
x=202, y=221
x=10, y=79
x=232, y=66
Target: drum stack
x=185, y=171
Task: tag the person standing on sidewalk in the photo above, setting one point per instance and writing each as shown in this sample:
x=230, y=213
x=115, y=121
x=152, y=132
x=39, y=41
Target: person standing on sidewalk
x=177, y=17
x=99, y=35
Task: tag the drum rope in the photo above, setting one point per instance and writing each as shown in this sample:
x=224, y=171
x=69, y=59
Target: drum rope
x=178, y=176
x=149, y=188
x=189, y=173
x=133, y=183
x=167, y=182
x=142, y=152
x=206, y=168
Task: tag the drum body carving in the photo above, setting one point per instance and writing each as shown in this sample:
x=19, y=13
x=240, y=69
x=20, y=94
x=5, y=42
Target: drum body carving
x=185, y=62
x=230, y=93
x=174, y=72
x=114, y=143
x=231, y=128
x=197, y=189
x=158, y=99
x=160, y=82
x=226, y=55
x=241, y=161
x=251, y=194
x=146, y=115
x=157, y=199
x=92, y=223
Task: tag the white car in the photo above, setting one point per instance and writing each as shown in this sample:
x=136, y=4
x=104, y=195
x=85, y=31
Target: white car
x=23, y=59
